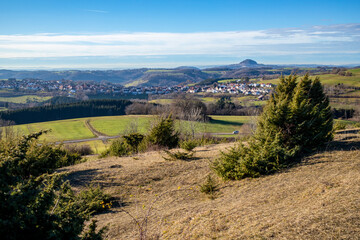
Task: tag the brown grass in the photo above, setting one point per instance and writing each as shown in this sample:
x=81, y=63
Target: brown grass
x=317, y=199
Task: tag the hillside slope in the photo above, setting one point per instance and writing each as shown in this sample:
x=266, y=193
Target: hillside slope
x=317, y=199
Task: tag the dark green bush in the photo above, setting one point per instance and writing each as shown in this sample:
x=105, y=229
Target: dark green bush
x=124, y=146
x=163, y=133
x=133, y=140
x=209, y=187
x=188, y=144
x=29, y=158
x=91, y=233
x=94, y=200
x=119, y=148
x=297, y=119
x=35, y=204
x=82, y=150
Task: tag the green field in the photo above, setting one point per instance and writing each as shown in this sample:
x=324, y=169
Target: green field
x=24, y=99
x=117, y=125
x=225, y=124
x=346, y=103
x=227, y=81
x=120, y=124
x=333, y=79
x=209, y=99
x=162, y=101
x=60, y=130
x=354, y=93
x=135, y=83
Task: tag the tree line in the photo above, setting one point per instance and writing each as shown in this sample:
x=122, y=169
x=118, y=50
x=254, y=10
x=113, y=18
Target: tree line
x=91, y=108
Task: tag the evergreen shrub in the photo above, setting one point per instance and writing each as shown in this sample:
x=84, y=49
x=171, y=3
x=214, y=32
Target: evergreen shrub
x=296, y=120
x=35, y=202
x=163, y=133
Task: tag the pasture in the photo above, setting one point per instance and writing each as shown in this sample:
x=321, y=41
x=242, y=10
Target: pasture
x=76, y=129
x=73, y=129
x=332, y=79
x=59, y=130
x=24, y=99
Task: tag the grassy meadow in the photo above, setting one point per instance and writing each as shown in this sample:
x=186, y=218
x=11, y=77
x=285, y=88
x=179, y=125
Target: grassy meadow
x=73, y=129
x=117, y=125
x=76, y=129
x=24, y=99
x=60, y=130
x=332, y=79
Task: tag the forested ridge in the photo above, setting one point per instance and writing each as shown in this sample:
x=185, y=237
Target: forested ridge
x=91, y=108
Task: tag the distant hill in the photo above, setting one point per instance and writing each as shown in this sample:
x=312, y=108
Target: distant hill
x=116, y=76
x=159, y=76
x=175, y=77
x=248, y=62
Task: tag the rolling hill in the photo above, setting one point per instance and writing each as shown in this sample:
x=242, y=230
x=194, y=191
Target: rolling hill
x=162, y=76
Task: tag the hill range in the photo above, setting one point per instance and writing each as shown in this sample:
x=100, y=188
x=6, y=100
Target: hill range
x=165, y=76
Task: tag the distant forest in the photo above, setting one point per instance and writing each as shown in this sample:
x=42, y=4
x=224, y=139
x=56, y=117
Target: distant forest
x=91, y=108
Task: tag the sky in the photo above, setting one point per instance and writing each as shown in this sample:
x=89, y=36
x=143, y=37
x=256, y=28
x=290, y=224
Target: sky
x=118, y=34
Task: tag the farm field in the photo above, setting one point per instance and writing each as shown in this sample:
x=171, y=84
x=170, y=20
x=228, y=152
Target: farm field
x=346, y=103
x=60, y=130
x=24, y=99
x=352, y=94
x=76, y=129
x=116, y=125
x=162, y=101
x=332, y=79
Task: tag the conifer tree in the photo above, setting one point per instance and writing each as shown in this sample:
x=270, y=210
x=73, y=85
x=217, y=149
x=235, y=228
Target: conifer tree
x=163, y=133
x=297, y=119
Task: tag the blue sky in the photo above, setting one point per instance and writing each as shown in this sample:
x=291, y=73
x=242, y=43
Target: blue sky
x=156, y=33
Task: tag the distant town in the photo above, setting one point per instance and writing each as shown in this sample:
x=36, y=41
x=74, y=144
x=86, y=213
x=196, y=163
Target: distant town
x=73, y=88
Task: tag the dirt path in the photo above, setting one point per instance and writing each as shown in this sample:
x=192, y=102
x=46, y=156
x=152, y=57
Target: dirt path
x=99, y=135
x=93, y=130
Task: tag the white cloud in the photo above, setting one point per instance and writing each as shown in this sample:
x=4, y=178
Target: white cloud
x=234, y=43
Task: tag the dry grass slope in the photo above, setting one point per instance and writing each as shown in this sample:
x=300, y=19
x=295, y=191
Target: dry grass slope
x=317, y=199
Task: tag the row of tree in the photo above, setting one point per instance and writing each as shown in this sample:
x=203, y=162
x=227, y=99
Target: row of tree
x=91, y=108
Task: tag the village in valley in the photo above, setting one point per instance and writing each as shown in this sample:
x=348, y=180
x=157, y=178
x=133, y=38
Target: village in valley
x=73, y=88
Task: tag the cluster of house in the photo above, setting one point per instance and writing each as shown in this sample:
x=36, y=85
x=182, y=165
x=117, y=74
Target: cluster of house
x=92, y=87
x=255, y=89
x=89, y=87
x=51, y=86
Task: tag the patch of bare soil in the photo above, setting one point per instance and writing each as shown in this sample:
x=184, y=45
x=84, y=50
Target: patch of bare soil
x=316, y=199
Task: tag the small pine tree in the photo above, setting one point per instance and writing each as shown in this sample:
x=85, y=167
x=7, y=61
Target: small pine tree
x=163, y=133
x=296, y=119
